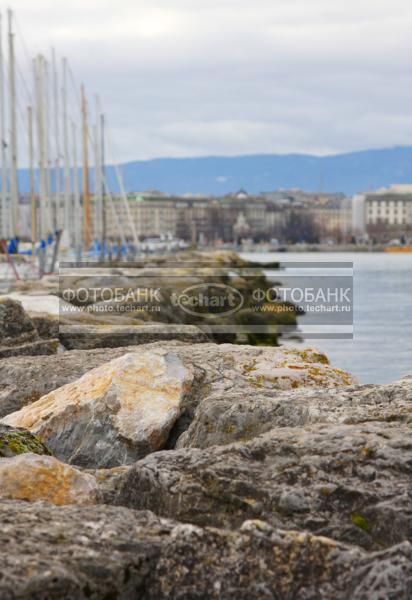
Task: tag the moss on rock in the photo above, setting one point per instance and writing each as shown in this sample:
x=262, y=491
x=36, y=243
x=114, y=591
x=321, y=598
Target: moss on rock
x=15, y=440
x=360, y=522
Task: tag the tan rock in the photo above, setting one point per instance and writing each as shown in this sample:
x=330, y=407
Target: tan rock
x=114, y=414
x=290, y=368
x=33, y=477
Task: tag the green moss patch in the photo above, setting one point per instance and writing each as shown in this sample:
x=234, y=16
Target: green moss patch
x=14, y=441
x=360, y=522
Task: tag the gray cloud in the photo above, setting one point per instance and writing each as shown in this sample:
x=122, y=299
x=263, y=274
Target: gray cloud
x=200, y=77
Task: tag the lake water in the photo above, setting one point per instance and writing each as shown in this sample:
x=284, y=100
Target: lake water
x=381, y=350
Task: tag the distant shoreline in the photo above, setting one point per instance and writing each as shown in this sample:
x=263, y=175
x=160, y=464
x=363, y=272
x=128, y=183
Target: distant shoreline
x=322, y=248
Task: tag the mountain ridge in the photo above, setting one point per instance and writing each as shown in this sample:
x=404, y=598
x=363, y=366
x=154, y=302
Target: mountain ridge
x=350, y=172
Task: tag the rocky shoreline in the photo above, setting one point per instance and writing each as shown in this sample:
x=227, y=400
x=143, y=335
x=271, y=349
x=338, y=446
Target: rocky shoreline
x=186, y=468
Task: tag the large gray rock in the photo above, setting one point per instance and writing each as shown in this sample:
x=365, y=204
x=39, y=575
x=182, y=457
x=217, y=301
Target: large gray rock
x=220, y=371
x=76, y=552
x=227, y=373
x=50, y=314
x=352, y=483
x=112, y=333
x=37, y=348
x=24, y=379
x=115, y=413
x=241, y=415
x=50, y=317
x=141, y=402
x=15, y=325
x=18, y=335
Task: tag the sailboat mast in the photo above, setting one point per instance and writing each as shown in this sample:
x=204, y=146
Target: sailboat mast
x=4, y=231
x=103, y=180
x=41, y=144
x=86, y=188
x=97, y=173
x=14, y=189
x=66, y=150
x=57, y=178
x=77, y=208
x=31, y=170
x=96, y=195
x=51, y=211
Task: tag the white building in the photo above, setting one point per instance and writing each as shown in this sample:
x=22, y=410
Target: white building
x=383, y=213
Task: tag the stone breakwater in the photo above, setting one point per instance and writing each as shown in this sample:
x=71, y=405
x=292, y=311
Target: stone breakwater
x=142, y=302
x=191, y=469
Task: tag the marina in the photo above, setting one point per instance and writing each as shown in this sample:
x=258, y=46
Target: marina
x=49, y=124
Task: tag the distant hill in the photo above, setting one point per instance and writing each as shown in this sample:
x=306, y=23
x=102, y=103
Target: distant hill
x=217, y=175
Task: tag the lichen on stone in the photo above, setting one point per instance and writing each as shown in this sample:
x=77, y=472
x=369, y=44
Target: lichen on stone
x=15, y=441
x=360, y=522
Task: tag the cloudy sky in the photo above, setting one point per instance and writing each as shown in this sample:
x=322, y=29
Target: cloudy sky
x=230, y=77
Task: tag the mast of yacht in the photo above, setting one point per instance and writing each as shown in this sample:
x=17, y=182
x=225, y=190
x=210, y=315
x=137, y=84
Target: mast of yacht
x=14, y=188
x=77, y=208
x=66, y=220
x=40, y=121
x=103, y=189
x=31, y=173
x=4, y=232
x=51, y=210
x=57, y=179
x=97, y=173
x=41, y=145
x=86, y=188
x=95, y=208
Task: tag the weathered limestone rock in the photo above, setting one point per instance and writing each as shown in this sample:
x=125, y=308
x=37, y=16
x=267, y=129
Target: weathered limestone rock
x=221, y=371
x=118, y=331
x=47, y=325
x=15, y=325
x=38, y=348
x=321, y=472
x=61, y=325
x=77, y=552
x=108, y=481
x=18, y=335
x=14, y=441
x=241, y=416
x=24, y=380
x=261, y=368
x=51, y=318
x=352, y=483
x=114, y=414
x=227, y=372
x=32, y=477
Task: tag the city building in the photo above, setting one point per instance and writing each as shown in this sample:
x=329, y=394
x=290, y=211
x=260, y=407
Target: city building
x=241, y=216
x=228, y=219
x=385, y=215
x=333, y=218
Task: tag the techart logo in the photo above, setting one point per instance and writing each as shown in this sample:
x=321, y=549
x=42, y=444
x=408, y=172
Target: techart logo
x=209, y=300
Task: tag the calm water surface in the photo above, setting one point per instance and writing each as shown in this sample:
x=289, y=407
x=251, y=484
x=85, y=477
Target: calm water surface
x=381, y=350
